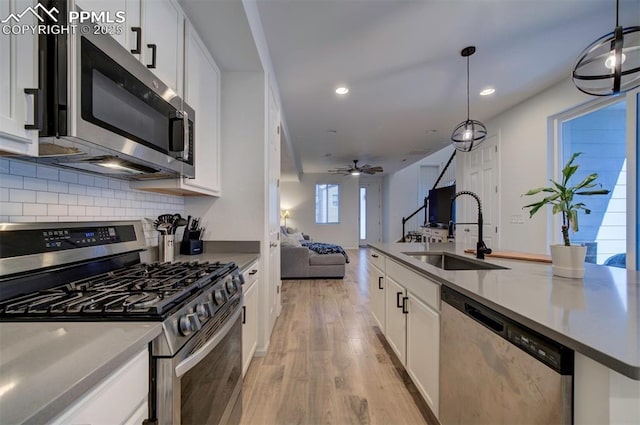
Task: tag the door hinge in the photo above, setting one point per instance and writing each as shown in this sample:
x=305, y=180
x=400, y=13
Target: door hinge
x=278, y=129
x=496, y=189
x=496, y=148
x=496, y=229
x=278, y=183
x=278, y=289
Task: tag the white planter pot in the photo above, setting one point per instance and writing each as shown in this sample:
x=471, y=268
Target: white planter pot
x=568, y=261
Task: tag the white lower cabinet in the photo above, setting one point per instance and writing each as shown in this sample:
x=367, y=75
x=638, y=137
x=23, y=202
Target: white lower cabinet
x=423, y=349
x=412, y=328
x=121, y=398
x=377, y=295
x=396, y=334
x=250, y=316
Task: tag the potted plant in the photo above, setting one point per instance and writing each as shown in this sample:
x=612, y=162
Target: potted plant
x=568, y=260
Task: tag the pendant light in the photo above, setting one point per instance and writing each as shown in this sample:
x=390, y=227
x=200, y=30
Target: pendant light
x=469, y=134
x=611, y=64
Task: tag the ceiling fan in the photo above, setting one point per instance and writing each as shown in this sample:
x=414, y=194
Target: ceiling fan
x=356, y=170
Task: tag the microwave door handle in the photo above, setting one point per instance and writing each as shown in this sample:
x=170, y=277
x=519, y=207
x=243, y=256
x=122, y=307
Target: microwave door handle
x=186, y=141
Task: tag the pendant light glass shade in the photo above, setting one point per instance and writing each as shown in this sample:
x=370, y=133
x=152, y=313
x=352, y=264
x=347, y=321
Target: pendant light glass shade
x=611, y=64
x=469, y=134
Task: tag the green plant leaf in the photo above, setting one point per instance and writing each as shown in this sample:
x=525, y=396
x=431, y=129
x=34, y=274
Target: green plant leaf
x=593, y=192
x=538, y=190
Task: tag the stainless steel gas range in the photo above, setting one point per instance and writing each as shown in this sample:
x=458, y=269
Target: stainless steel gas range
x=92, y=272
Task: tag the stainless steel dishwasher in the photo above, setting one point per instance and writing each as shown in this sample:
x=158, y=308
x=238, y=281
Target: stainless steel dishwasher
x=496, y=371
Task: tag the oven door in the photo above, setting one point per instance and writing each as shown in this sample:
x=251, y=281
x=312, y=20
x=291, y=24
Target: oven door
x=202, y=384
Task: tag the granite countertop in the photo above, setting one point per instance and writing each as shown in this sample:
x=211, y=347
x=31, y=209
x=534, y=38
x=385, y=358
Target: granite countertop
x=598, y=316
x=46, y=366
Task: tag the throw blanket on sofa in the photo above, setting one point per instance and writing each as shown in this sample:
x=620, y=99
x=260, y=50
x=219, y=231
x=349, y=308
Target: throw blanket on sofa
x=325, y=248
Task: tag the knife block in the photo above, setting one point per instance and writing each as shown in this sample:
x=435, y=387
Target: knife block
x=191, y=247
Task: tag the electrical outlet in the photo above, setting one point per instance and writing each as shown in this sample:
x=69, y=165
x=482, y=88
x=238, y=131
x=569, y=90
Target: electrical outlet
x=517, y=218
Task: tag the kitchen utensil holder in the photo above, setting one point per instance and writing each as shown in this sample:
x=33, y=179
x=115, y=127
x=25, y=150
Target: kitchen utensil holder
x=191, y=247
x=166, y=250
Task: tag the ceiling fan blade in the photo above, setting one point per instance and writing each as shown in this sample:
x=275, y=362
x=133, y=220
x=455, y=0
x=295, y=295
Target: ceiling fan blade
x=376, y=169
x=368, y=171
x=365, y=166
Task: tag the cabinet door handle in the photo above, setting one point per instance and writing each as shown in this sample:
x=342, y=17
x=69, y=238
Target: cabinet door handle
x=252, y=272
x=374, y=255
x=398, y=295
x=404, y=305
x=244, y=315
x=138, y=31
x=153, y=48
x=380, y=282
x=38, y=109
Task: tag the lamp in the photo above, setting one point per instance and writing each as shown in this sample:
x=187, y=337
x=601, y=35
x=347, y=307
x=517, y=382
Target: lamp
x=285, y=214
x=611, y=64
x=470, y=133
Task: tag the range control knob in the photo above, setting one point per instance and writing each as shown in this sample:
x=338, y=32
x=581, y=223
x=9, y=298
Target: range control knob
x=189, y=324
x=231, y=286
x=203, y=311
x=218, y=296
x=239, y=278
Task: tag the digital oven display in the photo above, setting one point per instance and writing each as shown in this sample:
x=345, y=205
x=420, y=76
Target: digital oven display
x=17, y=243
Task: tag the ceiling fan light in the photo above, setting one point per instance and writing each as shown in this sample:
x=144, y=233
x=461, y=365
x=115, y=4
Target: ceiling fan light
x=355, y=173
x=611, y=64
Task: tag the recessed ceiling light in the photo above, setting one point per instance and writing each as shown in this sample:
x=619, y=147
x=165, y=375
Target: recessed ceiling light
x=431, y=131
x=342, y=90
x=487, y=91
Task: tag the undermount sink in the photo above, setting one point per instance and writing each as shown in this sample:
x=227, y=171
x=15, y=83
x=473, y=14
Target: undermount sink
x=448, y=261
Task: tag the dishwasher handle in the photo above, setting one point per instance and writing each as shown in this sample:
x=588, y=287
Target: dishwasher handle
x=490, y=322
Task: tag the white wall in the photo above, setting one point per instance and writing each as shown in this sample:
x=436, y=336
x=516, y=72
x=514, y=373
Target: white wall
x=524, y=157
x=400, y=195
x=299, y=199
x=239, y=213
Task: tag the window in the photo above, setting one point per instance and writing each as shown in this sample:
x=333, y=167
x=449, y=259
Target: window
x=327, y=203
x=600, y=135
x=363, y=213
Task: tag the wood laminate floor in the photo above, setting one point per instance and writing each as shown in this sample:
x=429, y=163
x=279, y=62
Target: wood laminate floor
x=327, y=362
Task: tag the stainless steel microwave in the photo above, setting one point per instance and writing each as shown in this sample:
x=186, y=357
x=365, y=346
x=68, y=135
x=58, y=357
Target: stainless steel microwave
x=103, y=111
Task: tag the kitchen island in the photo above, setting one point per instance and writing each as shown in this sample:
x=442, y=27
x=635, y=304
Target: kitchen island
x=598, y=317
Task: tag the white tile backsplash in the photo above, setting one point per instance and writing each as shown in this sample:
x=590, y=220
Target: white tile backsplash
x=30, y=193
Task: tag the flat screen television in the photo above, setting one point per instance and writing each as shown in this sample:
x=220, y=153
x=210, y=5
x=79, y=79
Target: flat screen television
x=440, y=205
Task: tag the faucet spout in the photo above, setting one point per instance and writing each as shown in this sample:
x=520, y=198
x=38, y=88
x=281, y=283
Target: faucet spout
x=481, y=247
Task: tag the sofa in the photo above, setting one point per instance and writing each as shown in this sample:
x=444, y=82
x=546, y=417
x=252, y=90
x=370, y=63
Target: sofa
x=299, y=262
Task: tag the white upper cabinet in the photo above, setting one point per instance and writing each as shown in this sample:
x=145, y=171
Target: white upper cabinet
x=19, y=85
x=202, y=88
x=126, y=33
x=162, y=47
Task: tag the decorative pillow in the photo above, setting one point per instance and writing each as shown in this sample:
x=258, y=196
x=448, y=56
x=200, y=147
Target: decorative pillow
x=298, y=236
x=288, y=240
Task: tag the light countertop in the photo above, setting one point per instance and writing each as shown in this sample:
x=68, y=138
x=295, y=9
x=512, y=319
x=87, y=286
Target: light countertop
x=46, y=366
x=598, y=316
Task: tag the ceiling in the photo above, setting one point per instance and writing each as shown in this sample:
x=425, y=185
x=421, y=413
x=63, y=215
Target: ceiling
x=401, y=61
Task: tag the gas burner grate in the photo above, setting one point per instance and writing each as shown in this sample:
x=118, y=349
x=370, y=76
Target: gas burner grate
x=142, y=290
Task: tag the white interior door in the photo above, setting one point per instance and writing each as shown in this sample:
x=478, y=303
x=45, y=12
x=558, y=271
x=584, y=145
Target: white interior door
x=481, y=177
x=274, y=210
x=370, y=194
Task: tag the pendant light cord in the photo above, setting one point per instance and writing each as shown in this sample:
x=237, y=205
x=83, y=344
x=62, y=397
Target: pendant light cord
x=468, y=113
x=617, y=7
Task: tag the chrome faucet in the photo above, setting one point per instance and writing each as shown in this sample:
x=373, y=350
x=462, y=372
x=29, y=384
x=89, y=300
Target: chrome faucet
x=481, y=247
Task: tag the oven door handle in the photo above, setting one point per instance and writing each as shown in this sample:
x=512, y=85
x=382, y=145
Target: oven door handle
x=187, y=364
